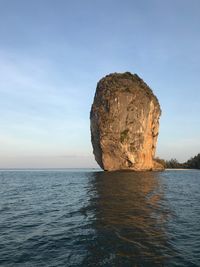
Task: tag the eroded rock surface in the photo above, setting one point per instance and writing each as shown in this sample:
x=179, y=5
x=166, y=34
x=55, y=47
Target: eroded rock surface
x=124, y=123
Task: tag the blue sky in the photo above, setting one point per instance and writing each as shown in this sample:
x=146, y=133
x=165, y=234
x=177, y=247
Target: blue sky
x=52, y=53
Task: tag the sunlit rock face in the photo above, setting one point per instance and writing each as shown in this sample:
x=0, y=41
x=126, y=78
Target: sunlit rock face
x=124, y=121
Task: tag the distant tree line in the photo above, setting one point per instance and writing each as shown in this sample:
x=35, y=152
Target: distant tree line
x=193, y=163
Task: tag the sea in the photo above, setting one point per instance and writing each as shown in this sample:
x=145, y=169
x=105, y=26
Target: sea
x=87, y=217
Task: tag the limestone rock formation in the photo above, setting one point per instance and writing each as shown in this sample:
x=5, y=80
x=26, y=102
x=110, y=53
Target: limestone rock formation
x=124, y=121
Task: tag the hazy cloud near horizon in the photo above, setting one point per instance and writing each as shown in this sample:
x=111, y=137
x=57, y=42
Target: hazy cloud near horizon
x=53, y=53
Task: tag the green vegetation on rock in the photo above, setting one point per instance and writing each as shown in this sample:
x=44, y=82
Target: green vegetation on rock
x=123, y=135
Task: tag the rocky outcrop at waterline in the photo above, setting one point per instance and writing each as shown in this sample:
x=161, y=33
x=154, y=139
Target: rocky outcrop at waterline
x=124, y=121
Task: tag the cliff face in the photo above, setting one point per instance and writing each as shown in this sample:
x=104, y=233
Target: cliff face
x=124, y=123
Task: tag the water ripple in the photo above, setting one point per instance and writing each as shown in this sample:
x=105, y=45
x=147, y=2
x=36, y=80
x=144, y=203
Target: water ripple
x=71, y=218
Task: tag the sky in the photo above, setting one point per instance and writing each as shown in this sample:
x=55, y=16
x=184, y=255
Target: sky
x=52, y=54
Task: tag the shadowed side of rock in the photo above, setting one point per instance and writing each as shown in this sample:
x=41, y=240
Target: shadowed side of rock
x=124, y=122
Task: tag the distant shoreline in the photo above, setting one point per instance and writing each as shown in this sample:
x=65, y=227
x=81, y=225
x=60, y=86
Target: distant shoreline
x=179, y=169
x=50, y=169
x=80, y=169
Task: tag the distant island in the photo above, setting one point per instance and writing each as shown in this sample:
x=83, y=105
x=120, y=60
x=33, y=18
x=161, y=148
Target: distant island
x=192, y=163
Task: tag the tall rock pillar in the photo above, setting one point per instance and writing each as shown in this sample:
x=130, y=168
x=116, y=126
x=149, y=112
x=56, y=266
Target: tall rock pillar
x=124, y=121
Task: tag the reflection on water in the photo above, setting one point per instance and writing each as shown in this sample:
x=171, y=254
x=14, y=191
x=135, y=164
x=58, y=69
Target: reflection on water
x=130, y=220
x=84, y=218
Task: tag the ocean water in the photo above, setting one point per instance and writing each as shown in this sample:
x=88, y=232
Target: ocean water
x=92, y=218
